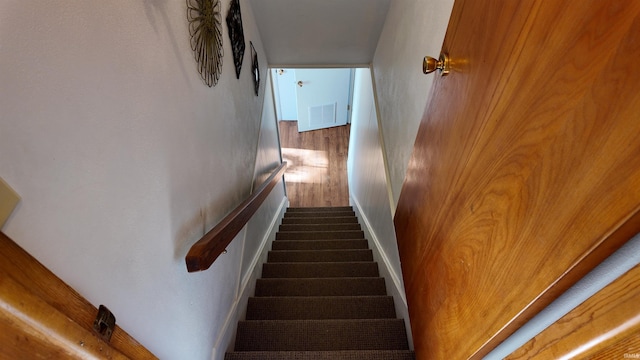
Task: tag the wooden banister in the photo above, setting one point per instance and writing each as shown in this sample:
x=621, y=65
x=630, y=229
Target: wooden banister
x=206, y=250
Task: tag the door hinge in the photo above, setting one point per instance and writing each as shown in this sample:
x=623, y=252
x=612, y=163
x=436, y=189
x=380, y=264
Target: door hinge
x=348, y=107
x=105, y=323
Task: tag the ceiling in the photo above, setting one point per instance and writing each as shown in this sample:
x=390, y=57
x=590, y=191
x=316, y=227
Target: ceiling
x=319, y=32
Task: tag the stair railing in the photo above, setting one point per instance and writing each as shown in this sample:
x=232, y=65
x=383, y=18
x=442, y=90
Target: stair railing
x=206, y=250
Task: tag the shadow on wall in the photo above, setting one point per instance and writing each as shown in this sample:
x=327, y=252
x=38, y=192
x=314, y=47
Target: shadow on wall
x=153, y=7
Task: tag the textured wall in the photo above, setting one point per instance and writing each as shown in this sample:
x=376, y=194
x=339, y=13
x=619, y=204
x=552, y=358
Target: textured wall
x=368, y=188
x=123, y=158
x=413, y=29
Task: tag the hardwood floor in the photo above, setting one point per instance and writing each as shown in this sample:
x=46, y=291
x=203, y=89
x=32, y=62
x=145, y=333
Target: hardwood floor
x=317, y=165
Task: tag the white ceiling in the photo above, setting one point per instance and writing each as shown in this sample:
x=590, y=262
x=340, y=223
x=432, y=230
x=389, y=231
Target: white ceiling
x=319, y=32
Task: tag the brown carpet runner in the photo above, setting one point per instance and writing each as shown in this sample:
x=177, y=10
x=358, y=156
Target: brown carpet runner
x=320, y=296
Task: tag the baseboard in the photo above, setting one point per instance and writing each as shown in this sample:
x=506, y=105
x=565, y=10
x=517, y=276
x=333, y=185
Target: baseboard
x=368, y=229
x=247, y=284
x=393, y=280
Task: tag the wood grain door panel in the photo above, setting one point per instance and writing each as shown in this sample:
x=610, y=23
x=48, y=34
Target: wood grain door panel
x=526, y=168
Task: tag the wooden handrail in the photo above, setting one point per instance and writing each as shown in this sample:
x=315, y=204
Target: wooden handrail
x=206, y=250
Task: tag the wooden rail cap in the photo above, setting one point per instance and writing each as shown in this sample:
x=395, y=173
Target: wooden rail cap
x=206, y=250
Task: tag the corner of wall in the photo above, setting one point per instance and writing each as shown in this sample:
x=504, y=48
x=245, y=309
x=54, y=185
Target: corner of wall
x=385, y=156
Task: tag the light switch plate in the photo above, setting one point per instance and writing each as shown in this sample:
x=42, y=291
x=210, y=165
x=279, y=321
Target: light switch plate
x=8, y=201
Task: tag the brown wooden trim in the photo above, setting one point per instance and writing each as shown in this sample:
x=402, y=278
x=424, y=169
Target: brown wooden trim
x=25, y=271
x=603, y=249
x=603, y=323
x=39, y=324
x=206, y=250
x=627, y=348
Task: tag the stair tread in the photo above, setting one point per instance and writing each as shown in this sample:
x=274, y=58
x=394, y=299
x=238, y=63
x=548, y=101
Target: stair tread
x=322, y=355
x=321, y=220
x=319, y=227
x=320, y=244
x=342, y=286
x=320, y=269
x=319, y=208
x=320, y=235
x=319, y=214
x=341, y=239
x=320, y=307
x=321, y=250
x=350, y=334
x=332, y=255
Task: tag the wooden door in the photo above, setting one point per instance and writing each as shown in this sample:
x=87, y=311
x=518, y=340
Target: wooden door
x=526, y=167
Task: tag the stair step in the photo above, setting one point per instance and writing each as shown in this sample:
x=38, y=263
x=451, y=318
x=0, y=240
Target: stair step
x=321, y=335
x=320, y=296
x=319, y=227
x=320, y=270
x=320, y=307
x=285, y=256
x=319, y=214
x=320, y=235
x=320, y=220
x=319, y=244
x=348, y=286
x=322, y=355
x=317, y=209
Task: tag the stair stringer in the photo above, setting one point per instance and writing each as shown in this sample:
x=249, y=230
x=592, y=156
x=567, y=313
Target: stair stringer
x=224, y=342
x=393, y=279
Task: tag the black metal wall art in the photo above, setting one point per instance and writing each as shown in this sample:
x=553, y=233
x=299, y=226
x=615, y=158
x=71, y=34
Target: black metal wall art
x=205, y=28
x=236, y=34
x=254, y=68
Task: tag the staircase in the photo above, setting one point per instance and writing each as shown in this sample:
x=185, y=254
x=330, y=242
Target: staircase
x=320, y=296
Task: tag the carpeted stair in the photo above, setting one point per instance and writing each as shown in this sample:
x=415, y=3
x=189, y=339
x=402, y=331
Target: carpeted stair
x=320, y=296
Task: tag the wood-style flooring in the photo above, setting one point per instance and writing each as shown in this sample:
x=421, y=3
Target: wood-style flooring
x=316, y=174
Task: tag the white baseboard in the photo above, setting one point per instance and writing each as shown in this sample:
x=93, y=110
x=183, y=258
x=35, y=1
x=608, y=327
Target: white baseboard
x=393, y=279
x=393, y=273
x=227, y=334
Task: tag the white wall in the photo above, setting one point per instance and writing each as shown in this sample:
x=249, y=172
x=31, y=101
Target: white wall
x=123, y=158
x=268, y=159
x=412, y=30
x=367, y=189
x=261, y=229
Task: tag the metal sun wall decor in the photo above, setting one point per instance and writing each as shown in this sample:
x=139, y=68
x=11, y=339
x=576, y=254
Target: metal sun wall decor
x=205, y=28
x=254, y=68
x=236, y=35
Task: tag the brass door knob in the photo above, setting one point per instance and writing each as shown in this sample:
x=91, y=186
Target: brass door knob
x=430, y=64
